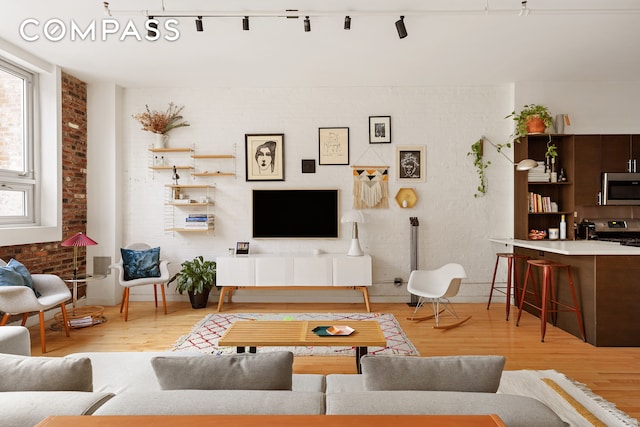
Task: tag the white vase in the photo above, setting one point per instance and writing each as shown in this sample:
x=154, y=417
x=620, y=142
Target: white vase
x=161, y=140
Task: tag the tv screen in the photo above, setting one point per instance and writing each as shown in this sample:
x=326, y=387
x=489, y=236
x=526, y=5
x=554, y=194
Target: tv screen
x=295, y=214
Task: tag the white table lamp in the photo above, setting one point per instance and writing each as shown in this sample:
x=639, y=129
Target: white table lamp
x=355, y=217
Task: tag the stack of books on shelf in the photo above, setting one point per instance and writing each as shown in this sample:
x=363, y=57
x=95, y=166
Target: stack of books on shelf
x=539, y=174
x=199, y=221
x=539, y=203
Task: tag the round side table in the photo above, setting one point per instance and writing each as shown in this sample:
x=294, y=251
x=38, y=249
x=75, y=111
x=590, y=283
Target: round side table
x=81, y=317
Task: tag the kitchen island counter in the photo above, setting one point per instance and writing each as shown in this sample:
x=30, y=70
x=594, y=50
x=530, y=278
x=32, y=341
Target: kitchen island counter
x=571, y=247
x=607, y=280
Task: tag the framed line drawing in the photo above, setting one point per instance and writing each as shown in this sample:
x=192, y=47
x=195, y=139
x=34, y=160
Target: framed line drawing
x=411, y=163
x=264, y=156
x=379, y=129
x=333, y=146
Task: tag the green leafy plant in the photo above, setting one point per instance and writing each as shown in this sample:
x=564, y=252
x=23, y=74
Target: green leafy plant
x=552, y=150
x=525, y=114
x=478, y=161
x=195, y=276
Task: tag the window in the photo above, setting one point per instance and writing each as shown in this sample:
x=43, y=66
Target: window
x=17, y=176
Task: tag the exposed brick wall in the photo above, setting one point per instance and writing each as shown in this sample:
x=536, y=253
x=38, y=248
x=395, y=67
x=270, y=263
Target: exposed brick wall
x=50, y=257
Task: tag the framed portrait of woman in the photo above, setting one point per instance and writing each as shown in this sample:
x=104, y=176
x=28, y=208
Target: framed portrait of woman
x=411, y=163
x=264, y=154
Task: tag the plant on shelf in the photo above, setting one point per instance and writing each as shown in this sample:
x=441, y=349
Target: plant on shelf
x=478, y=161
x=533, y=118
x=197, y=277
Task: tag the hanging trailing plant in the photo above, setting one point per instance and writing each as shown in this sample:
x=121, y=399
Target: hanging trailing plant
x=478, y=161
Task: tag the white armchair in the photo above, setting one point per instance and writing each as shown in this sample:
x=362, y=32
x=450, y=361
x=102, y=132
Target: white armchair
x=22, y=300
x=155, y=281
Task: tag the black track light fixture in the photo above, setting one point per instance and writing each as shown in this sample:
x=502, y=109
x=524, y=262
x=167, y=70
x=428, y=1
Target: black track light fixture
x=245, y=23
x=347, y=22
x=307, y=24
x=199, y=27
x=152, y=28
x=402, y=30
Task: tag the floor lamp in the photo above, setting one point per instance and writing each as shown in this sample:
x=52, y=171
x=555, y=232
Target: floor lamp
x=77, y=241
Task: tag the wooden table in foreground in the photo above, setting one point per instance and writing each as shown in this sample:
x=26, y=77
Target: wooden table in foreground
x=292, y=333
x=273, y=420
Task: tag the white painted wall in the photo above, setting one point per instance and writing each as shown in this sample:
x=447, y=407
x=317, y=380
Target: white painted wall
x=454, y=226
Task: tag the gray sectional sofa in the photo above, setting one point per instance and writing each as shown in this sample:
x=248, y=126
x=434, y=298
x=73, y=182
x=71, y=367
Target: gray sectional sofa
x=135, y=383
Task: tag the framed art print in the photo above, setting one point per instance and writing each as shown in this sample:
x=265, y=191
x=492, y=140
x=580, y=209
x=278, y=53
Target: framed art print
x=242, y=248
x=333, y=146
x=264, y=156
x=411, y=163
x=379, y=129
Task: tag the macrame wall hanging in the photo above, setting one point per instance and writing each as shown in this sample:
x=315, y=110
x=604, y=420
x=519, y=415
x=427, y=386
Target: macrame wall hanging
x=370, y=187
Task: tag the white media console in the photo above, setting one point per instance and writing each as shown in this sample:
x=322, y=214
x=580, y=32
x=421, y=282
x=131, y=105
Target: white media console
x=265, y=271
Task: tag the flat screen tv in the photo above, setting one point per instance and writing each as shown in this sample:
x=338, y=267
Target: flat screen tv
x=291, y=214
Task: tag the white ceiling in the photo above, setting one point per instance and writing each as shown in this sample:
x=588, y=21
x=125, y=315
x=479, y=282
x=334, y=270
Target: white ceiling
x=449, y=42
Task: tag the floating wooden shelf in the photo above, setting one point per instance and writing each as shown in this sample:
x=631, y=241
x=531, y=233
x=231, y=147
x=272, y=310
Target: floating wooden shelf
x=213, y=174
x=171, y=150
x=188, y=186
x=170, y=167
x=213, y=156
x=189, y=230
x=189, y=204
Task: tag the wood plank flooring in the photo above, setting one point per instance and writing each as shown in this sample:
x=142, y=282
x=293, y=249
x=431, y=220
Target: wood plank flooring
x=612, y=372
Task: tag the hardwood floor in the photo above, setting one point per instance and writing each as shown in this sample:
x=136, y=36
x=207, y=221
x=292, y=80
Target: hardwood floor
x=612, y=372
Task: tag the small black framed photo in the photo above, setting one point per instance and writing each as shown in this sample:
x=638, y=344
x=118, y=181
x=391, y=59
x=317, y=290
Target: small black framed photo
x=308, y=166
x=242, y=248
x=333, y=146
x=379, y=129
x=264, y=154
x=411, y=163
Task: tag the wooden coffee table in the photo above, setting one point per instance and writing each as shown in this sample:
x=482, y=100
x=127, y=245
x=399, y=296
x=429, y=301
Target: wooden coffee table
x=293, y=333
x=273, y=420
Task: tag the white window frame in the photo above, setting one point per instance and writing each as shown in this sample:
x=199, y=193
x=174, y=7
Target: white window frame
x=23, y=180
x=47, y=155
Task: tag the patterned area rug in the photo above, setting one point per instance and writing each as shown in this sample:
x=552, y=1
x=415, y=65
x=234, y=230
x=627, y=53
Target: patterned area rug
x=204, y=336
x=574, y=402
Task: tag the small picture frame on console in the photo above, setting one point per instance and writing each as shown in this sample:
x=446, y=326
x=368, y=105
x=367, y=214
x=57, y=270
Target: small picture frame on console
x=242, y=248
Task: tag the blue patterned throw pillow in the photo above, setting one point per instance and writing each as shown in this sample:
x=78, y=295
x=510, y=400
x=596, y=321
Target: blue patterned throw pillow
x=16, y=274
x=140, y=263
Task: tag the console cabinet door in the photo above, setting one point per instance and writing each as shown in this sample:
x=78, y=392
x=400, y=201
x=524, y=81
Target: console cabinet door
x=312, y=271
x=352, y=270
x=235, y=271
x=274, y=271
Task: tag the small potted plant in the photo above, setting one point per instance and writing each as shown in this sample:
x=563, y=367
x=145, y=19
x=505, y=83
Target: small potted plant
x=161, y=122
x=533, y=118
x=197, y=277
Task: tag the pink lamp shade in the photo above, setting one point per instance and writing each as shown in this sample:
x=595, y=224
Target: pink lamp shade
x=79, y=239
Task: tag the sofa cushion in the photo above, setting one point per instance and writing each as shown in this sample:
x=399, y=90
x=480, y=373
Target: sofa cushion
x=515, y=411
x=23, y=373
x=264, y=371
x=215, y=402
x=450, y=373
x=140, y=263
x=28, y=408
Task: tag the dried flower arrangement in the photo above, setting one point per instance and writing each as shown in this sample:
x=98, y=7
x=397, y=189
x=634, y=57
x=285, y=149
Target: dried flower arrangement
x=161, y=122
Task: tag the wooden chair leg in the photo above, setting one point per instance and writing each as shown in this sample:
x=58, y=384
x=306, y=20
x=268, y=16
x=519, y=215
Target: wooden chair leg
x=155, y=294
x=25, y=317
x=124, y=292
x=42, y=338
x=126, y=304
x=4, y=320
x=65, y=319
x=164, y=300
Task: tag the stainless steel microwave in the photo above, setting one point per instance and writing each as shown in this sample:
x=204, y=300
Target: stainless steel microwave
x=620, y=188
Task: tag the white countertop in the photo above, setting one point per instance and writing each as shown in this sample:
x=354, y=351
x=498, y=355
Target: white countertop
x=571, y=247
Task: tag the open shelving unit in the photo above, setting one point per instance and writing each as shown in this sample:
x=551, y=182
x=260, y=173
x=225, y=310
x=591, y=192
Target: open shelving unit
x=174, y=207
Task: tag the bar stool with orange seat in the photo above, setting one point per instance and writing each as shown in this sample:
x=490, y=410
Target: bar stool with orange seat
x=549, y=302
x=512, y=271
